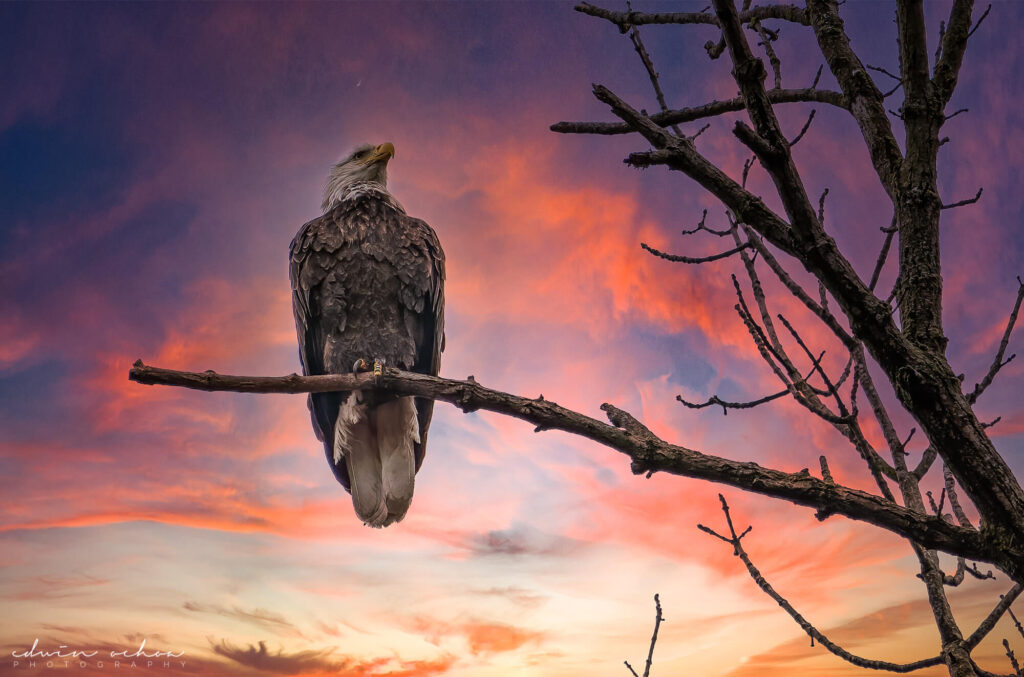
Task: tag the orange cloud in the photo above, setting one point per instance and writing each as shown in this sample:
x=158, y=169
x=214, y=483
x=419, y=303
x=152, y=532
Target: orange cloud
x=555, y=254
x=482, y=637
x=496, y=637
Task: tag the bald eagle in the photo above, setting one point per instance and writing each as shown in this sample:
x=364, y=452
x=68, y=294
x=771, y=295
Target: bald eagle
x=368, y=285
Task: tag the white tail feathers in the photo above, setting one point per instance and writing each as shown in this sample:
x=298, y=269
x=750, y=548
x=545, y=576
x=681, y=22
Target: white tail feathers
x=378, y=448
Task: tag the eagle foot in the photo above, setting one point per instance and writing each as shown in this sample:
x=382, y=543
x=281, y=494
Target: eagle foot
x=377, y=367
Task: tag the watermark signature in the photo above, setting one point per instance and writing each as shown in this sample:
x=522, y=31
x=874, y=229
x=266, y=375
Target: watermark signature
x=65, y=656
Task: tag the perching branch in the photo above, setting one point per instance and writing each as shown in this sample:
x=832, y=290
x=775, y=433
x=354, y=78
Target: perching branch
x=648, y=452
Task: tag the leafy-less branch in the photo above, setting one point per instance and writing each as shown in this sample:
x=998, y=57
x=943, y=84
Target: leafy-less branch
x=712, y=109
x=658, y=618
x=735, y=539
x=998, y=362
x=626, y=20
x=625, y=434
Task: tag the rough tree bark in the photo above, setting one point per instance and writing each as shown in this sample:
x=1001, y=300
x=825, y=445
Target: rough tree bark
x=903, y=334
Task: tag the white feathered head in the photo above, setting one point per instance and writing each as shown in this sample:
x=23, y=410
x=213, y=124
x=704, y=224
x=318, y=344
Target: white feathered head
x=365, y=164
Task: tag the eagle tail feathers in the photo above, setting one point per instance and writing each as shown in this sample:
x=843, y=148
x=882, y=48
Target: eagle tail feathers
x=351, y=412
x=354, y=439
x=378, y=446
x=398, y=432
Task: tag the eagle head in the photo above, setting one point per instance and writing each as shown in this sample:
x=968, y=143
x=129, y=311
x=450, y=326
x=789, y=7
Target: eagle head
x=365, y=164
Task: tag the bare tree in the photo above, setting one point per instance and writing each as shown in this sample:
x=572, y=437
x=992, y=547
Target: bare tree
x=899, y=335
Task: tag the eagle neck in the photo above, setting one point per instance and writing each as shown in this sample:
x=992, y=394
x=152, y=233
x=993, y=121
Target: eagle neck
x=355, y=191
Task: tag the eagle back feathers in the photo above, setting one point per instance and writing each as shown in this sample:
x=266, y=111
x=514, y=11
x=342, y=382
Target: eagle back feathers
x=367, y=282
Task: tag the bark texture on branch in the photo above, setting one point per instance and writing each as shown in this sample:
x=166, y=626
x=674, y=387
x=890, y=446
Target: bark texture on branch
x=625, y=434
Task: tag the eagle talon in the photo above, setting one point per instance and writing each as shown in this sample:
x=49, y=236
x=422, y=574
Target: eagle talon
x=359, y=366
x=378, y=370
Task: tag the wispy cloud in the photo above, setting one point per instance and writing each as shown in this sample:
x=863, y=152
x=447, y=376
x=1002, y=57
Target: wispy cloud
x=262, y=618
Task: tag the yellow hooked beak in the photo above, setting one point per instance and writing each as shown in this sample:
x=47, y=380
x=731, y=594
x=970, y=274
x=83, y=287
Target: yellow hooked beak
x=381, y=153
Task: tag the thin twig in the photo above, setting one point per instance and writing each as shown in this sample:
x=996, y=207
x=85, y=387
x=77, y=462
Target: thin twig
x=702, y=226
x=711, y=109
x=998, y=362
x=954, y=501
x=1013, y=659
x=735, y=540
x=654, y=637
x=925, y=464
x=726, y=405
x=968, y=201
x=957, y=112
x=676, y=258
x=977, y=24
x=1016, y=623
x=993, y=617
x=638, y=45
x=883, y=71
x=890, y=233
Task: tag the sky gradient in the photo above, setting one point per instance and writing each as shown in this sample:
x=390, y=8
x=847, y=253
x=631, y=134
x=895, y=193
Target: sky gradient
x=155, y=162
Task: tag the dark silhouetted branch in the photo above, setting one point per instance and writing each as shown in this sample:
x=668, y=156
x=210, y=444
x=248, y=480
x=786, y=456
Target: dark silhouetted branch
x=626, y=20
x=925, y=464
x=968, y=201
x=862, y=96
x=641, y=50
x=883, y=255
x=693, y=259
x=712, y=109
x=977, y=24
x=703, y=227
x=1013, y=659
x=998, y=362
x=734, y=539
x=726, y=405
x=993, y=617
x=1016, y=623
x=954, y=501
x=803, y=130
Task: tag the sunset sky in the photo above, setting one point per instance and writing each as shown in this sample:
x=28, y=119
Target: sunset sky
x=155, y=161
